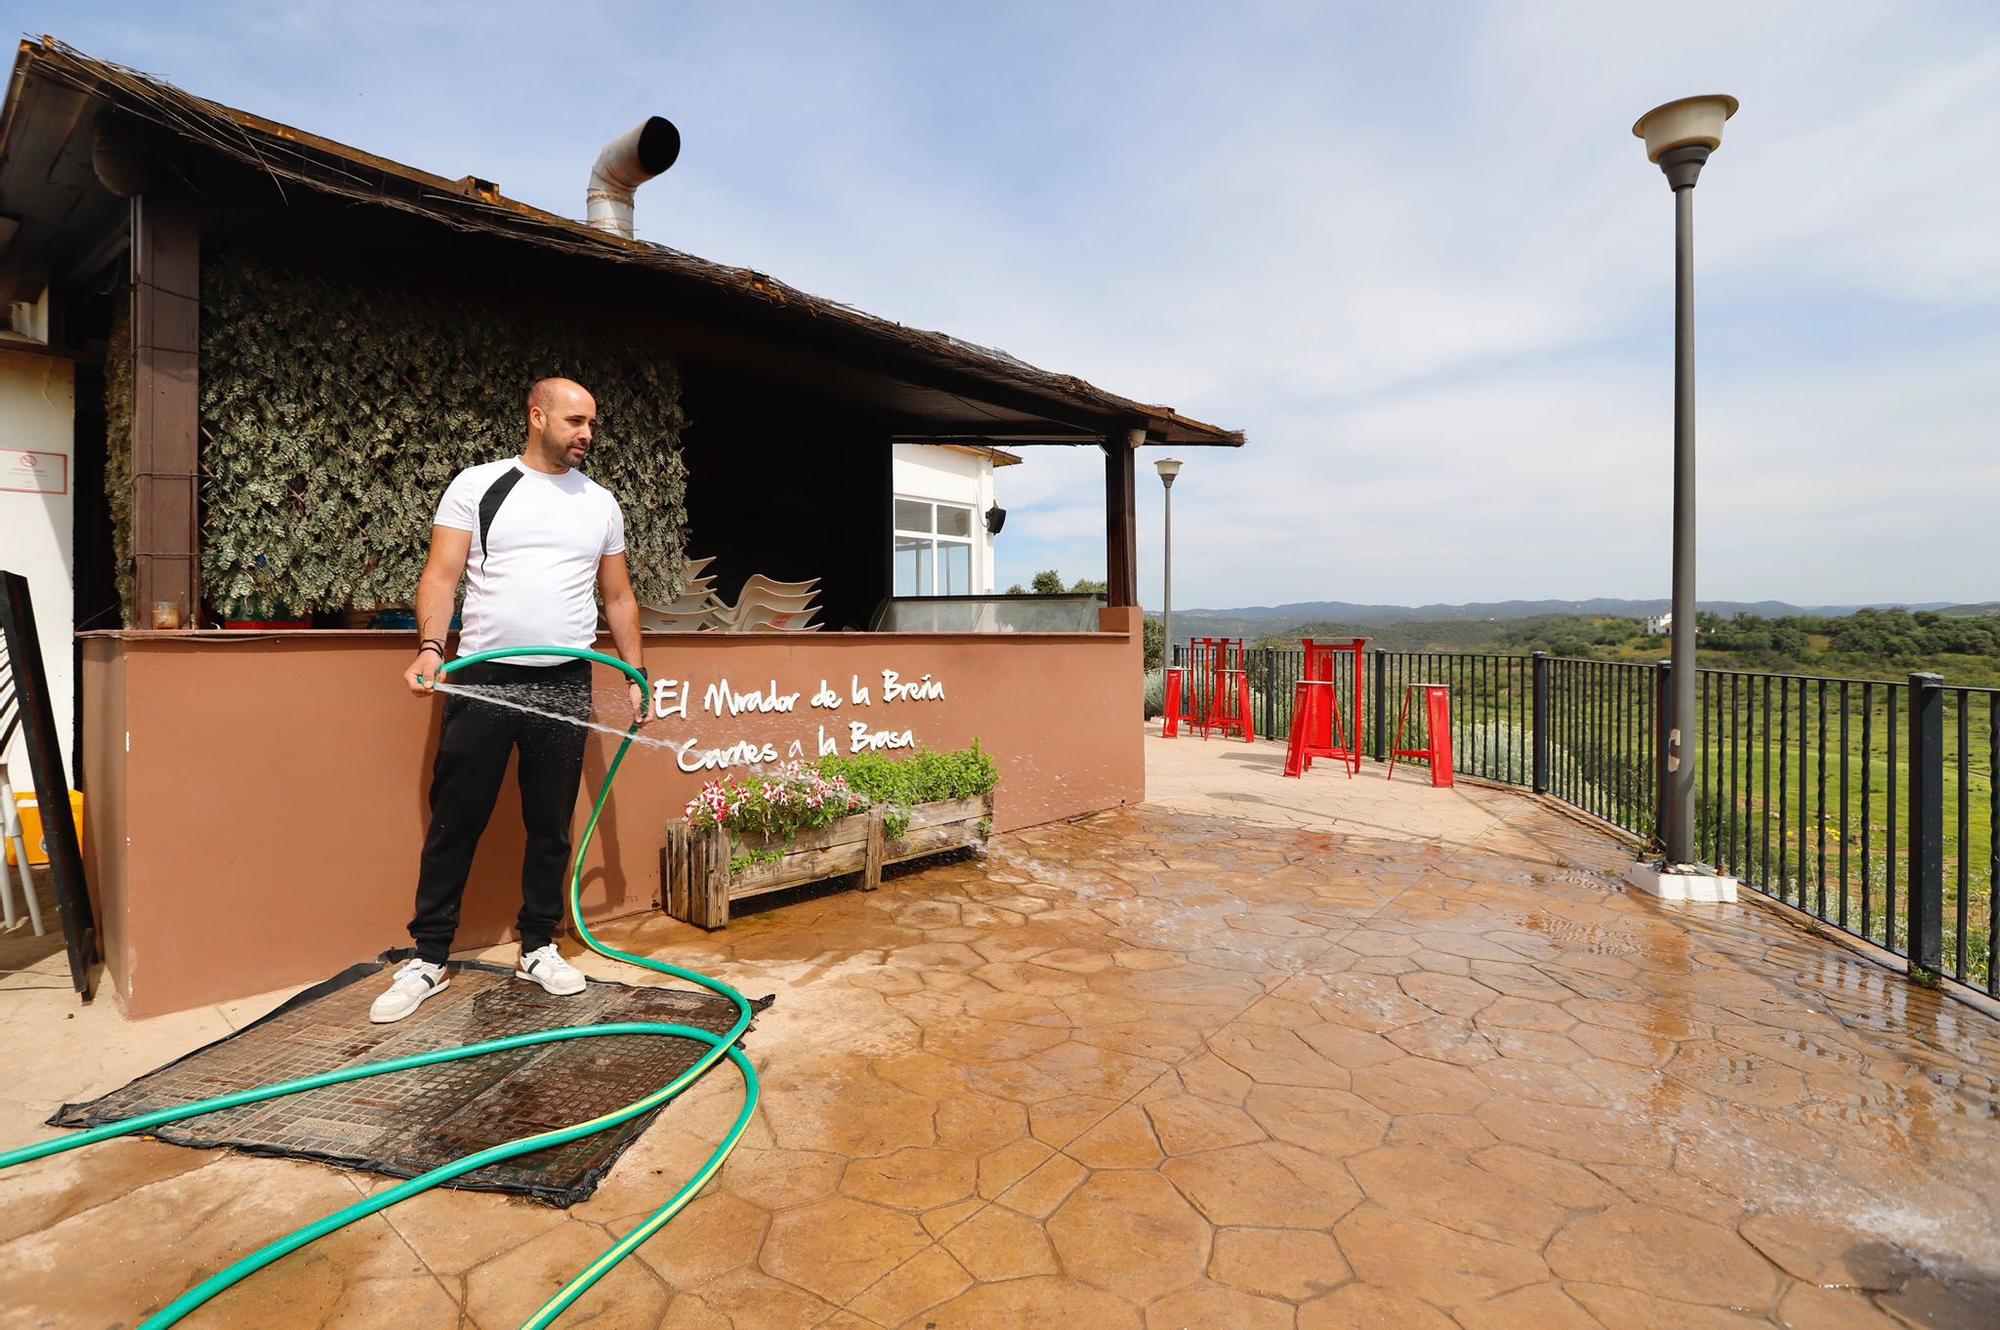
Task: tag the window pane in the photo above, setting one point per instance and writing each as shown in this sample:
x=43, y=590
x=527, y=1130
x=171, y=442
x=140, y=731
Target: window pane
x=912, y=515
x=913, y=566
x=955, y=567
x=953, y=521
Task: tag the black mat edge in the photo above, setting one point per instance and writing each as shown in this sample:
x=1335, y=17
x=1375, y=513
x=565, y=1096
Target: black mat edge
x=75, y=1115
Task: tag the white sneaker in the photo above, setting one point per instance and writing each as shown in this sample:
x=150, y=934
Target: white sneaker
x=416, y=981
x=546, y=967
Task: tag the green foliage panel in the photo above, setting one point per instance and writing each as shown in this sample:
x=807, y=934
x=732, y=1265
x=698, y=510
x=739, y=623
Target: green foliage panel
x=118, y=450
x=334, y=413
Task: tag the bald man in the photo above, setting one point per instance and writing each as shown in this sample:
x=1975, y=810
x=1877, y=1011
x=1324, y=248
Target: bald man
x=531, y=536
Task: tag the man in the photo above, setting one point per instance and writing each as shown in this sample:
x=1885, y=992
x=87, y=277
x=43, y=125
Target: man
x=530, y=535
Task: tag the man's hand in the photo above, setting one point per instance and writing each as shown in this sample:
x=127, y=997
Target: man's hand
x=642, y=709
x=423, y=671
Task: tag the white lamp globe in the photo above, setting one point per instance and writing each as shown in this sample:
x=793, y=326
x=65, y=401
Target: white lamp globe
x=1679, y=124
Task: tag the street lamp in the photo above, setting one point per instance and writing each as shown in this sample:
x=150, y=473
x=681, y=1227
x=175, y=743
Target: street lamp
x=1168, y=469
x=1679, y=138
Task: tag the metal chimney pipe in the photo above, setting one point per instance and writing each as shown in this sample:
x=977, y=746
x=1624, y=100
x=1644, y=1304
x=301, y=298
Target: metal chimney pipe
x=626, y=163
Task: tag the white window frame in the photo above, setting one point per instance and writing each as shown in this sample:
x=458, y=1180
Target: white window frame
x=935, y=540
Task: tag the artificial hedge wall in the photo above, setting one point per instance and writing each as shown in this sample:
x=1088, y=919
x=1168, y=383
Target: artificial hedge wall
x=118, y=454
x=335, y=411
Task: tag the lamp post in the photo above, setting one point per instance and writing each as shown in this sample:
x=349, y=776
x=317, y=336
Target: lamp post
x=1168, y=469
x=1679, y=138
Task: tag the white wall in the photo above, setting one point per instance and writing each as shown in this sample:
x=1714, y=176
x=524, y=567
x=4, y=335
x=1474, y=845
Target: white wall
x=37, y=410
x=947, y=475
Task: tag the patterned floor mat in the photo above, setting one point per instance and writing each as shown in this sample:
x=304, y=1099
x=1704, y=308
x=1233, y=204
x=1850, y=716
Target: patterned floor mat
x=407, y=1123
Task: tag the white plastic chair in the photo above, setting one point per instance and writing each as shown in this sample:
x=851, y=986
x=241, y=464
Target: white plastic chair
x=697, y=606
x=690, y=620
x=764, y=619
x=759, y=585
x=770, y=605
x=764, y=605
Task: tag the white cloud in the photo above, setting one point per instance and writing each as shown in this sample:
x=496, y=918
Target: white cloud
x=1414, y=252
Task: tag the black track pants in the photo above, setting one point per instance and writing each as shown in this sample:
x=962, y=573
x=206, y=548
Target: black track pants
x=473, y=746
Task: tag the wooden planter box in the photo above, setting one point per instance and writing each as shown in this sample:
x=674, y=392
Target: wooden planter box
x=698, y=884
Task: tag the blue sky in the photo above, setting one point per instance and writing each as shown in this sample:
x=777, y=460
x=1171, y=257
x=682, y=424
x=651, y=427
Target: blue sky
x=1412, y=249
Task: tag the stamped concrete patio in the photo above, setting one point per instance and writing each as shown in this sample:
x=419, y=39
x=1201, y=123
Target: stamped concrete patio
x=1261, y=1053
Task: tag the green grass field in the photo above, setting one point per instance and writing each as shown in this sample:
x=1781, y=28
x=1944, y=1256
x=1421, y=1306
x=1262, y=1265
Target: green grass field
x=1775, y=811
x=1772, y=807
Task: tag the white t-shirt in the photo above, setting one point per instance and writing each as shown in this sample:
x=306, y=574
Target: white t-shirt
x=535, y=584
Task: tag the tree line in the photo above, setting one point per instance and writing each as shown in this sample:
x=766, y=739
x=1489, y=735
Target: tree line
x=1965, y=648
x=1873, y=643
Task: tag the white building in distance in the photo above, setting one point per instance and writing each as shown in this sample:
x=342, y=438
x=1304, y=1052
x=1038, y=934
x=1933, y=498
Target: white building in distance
x=946, y=518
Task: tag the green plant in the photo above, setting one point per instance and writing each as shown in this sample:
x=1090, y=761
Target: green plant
x=755, y=857
x=335, y=409
x=762, y=812
x=923, y=777
x=776, y=806
x=898, y=785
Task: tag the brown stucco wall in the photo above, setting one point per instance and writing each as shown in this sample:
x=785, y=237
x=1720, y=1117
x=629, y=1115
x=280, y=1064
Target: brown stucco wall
x=100, y=774
x=263, y=827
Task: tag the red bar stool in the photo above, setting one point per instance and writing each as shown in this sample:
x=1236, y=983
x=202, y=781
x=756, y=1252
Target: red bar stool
x=1435, y=712
x=1228, y=707
x=1315, y=712
x=1339, y=664
x=1197, y=681
x=1179, y=704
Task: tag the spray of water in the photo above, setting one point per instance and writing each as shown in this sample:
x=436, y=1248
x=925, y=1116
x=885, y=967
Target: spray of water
x=501, y=696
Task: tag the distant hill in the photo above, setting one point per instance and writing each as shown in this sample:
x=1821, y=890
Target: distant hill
x=1959, y=641
x=1341, y=611
x=1470, y=627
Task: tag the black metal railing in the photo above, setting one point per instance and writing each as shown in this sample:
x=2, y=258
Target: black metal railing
x=1603, y=740
x=1869, y=804
x=1796, y=792
x=1866, y=803
x=1969, y=780
x=1492, y=708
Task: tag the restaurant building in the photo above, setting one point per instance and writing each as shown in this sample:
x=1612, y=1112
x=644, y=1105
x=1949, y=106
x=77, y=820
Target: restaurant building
x=274, y=350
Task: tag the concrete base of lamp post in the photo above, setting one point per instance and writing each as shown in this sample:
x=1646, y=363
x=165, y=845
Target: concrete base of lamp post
x=1682, y=882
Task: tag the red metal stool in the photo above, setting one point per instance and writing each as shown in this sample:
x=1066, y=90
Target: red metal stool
x=1316, y=711
x=1338, y=663
x=1179, y=704
x=1197, y=681
x=1436, y=715
x=1228, y=707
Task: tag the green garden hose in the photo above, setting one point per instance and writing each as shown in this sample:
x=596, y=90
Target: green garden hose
x=719, y=1047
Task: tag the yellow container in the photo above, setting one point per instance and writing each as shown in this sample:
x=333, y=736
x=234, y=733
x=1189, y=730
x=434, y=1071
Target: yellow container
x=31, y=825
